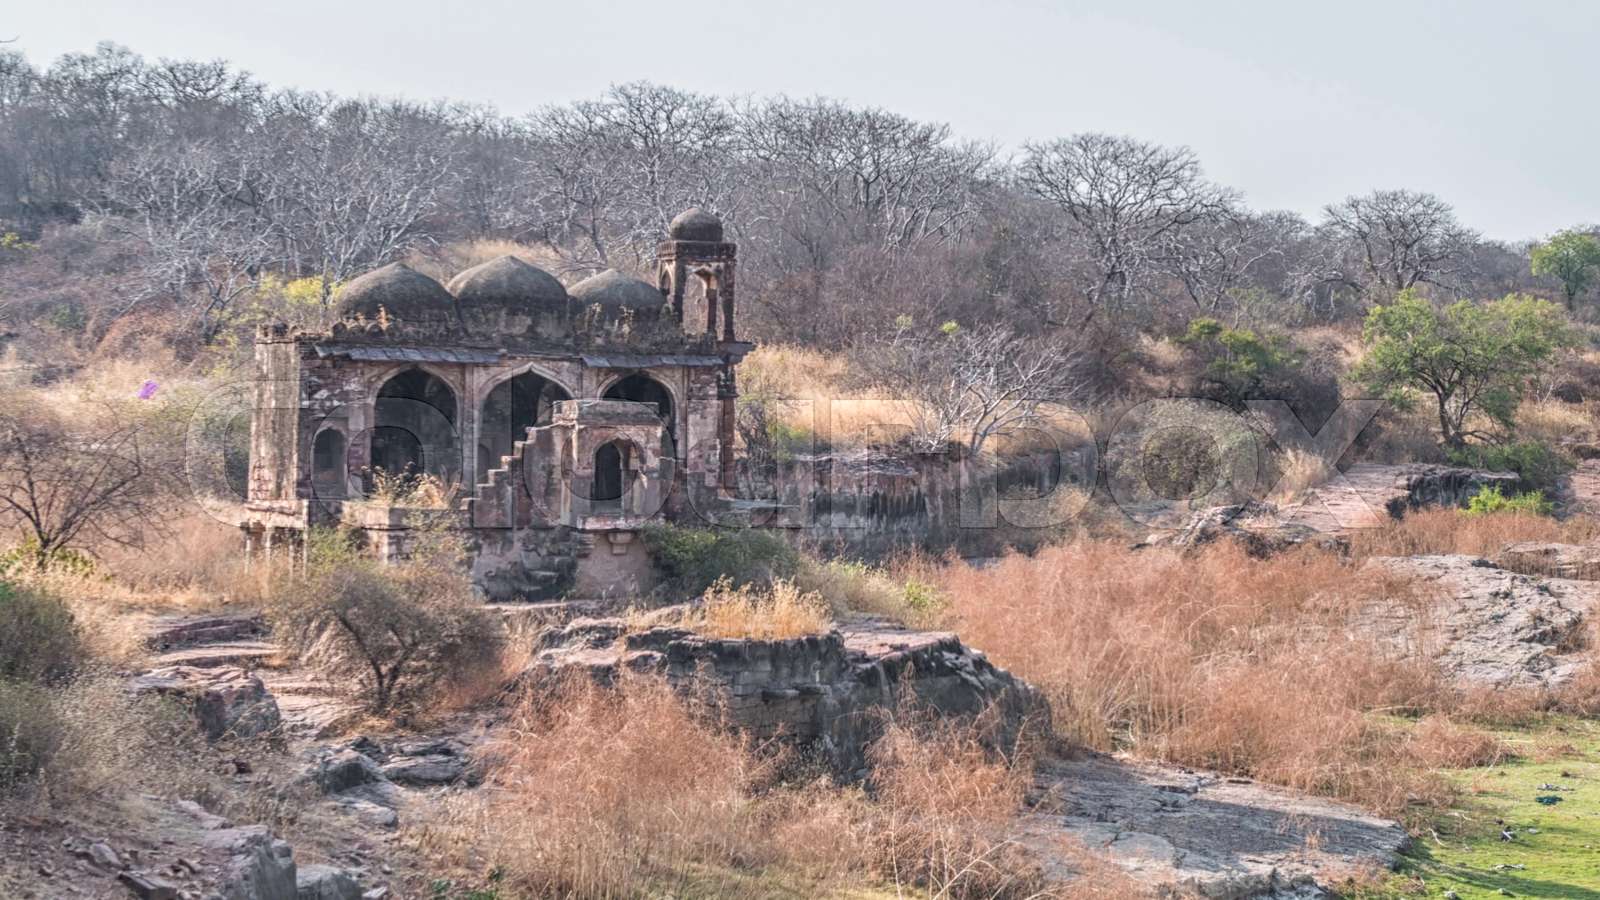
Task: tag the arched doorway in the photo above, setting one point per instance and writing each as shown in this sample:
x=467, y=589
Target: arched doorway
x=611, y=465
x=328, y=464
x=414, y=428
x=514, y=406
x=641, y=388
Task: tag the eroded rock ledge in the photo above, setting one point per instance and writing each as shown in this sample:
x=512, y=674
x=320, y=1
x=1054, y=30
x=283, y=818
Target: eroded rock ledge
x=829, y=691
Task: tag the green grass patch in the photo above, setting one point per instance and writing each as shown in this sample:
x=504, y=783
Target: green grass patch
x=1554, y=851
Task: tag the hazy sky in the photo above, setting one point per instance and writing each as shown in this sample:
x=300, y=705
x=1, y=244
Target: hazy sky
x=1493, y=106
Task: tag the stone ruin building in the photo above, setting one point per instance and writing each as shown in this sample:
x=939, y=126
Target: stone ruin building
x=569, y=417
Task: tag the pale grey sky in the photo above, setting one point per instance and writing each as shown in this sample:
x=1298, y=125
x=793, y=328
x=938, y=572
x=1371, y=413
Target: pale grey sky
x=1491, y=105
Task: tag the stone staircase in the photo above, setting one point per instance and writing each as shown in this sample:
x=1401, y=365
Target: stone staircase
x=210, y=642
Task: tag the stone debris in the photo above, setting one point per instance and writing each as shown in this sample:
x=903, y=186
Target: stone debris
x=227, y=702
x=1487, y=627
x=1187, y=832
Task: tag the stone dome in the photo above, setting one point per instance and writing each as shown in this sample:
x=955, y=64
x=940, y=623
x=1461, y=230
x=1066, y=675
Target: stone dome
x=695, y=224
x=511, y=284
x=404, y=293
x=614, y=291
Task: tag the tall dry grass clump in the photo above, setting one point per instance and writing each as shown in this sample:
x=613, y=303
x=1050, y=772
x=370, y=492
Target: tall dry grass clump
x=634, y=791
x=1435, y=531
x=1216, y=660
x=778, y=612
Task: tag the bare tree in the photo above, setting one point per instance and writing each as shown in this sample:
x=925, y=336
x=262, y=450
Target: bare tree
x=1225, y=251
x=1393, y=240
x=64, y=481
x=983, y=382
x=188, y=208
x=1128, y=199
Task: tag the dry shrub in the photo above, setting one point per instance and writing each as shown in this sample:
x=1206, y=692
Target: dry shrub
x=599, y=793
x=945, y=808
x=1432, y=531
x=1298, y=471
x=1217, y=659
x=397, y=631
x=39, y=639
x=636, y=791
x=1437, y=742
x=1550, y=421
x=779, y=612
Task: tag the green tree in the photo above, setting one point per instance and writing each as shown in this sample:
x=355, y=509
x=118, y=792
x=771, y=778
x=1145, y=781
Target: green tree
x=1475, y=359
x=1573, y=258
x=1239, y=361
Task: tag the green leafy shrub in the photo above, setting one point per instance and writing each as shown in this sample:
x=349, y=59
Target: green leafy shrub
x=26, y=556
x=39, y=640
x=1239, y=361
x=1490, y=500
x=693, y=559
x=1540, y=466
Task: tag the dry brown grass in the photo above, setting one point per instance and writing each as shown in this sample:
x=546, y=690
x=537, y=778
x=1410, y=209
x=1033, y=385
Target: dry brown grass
x=1434, y=531
x=1550, y=421
x=633, y=791
x=1216, y=660
x=779, y=612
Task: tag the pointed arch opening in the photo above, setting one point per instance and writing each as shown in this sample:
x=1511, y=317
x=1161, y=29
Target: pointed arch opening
x=511, y=408
x=641, y=388
x=414, y=428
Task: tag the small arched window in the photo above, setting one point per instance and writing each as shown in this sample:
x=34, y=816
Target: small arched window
x=611, y=464
x=328, y=463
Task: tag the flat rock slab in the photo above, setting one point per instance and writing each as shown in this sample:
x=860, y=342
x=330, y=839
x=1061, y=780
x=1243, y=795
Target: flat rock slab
x=169, y=632
x=1486, y=626
x=1178, y=830
x=210, y=656
x=1575, y=561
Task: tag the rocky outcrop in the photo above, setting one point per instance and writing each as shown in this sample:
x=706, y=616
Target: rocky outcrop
x=227, y=702
x=1574, y=561
x=1486, y=626
x=1366, y=496
x=1254, y=525
x=829, y=691
x=317, y=882
x=1184, y=833
x=260, y=867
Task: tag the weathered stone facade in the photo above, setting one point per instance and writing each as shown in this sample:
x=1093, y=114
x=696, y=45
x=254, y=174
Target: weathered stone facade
x=567, y=418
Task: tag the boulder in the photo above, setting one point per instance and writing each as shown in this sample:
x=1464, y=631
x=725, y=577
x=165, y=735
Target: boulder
x=227, y=702
x=427, y=770
x=1487, y=627
x=1576, y=561
x=345, y=769
x=259, y=867
x=317, y=882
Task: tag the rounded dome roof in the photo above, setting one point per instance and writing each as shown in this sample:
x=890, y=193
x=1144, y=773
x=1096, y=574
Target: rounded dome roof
x=402, y=292
x=614, y=290
x=695, y=224
x=508, y=281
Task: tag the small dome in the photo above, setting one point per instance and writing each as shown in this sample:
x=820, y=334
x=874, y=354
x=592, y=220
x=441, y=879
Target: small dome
x=403, y=292
x=695, y=224
x=615, y=291
x=508, y=282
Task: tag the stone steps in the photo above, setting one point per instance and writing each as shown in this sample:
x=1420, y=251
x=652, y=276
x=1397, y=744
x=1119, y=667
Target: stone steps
x=245, y=654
